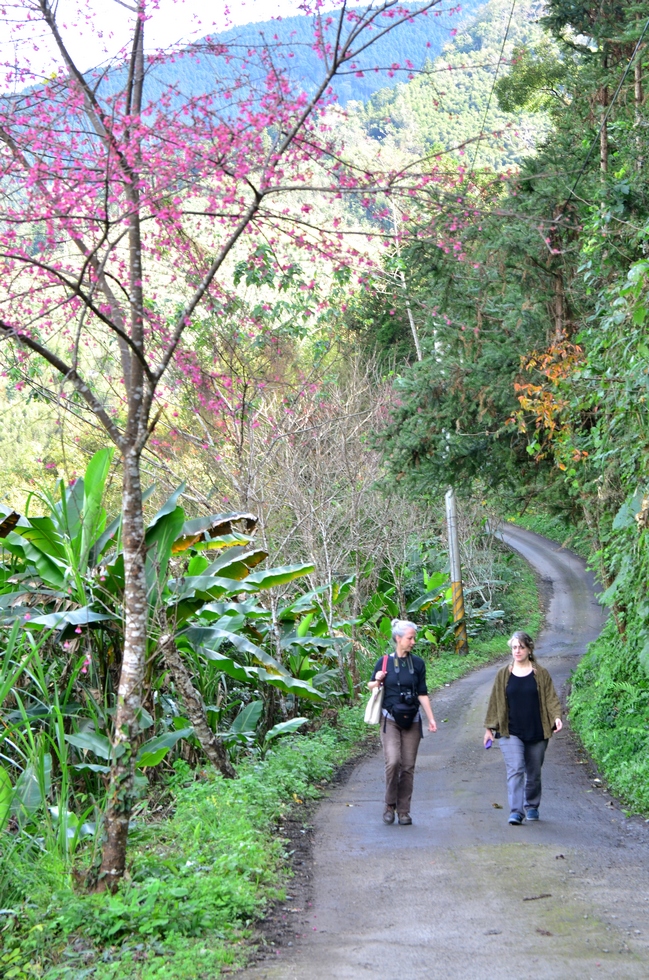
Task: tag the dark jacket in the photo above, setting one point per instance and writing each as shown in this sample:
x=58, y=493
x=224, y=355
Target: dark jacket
x=415, y=682
x=549, y=704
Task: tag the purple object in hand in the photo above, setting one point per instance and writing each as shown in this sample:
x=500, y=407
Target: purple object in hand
x=488, y=743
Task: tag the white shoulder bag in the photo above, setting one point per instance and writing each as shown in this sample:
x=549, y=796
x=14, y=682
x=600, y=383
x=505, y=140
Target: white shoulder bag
x=375, y=703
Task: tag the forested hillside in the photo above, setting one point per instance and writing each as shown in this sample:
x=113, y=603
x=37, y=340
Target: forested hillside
x=390, y=59
x=447, y=106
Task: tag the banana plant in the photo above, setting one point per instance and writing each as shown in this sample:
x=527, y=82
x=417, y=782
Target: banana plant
x=66, y=575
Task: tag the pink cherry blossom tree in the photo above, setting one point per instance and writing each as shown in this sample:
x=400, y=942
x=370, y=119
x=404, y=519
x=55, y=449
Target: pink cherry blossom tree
x=123, y=202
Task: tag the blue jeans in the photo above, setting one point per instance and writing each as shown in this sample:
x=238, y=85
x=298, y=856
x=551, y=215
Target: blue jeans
x=523, y=761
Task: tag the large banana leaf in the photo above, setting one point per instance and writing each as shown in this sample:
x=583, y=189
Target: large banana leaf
x=45, y=536
x=111, y=532
x=32, y=787
x=91, y=742
x=285, y=728
x=168, y=507
x=205, y=587
x=217, y=525
x=71, y=617
x=236, y=562
x=51, y=569
x=216, y=531
x=69, y=512
x=246, y=675
x=152, y=752
x=94, y=515
x=211, y=637
x=159, y=539
x=428, y=599
x=248, y=718
x=291, y=685
x=250, y=608
x=8, y=522
x=276, y=576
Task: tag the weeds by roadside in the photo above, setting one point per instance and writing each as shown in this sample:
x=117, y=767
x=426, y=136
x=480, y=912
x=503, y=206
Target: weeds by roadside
x=609, y=710
x=196, y=882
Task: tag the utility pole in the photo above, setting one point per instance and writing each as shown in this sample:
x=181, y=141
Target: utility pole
x=461, y=639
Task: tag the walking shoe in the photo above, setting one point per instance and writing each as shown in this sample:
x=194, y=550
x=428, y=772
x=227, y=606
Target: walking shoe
x=388, y=814
x=405, y=818
x=532, y=813
x=515, y=818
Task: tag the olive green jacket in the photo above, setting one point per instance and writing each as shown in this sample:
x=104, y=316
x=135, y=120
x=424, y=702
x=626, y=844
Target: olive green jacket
x=498, y=713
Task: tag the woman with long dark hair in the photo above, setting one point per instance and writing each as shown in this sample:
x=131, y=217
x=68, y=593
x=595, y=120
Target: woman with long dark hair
x=523, y=712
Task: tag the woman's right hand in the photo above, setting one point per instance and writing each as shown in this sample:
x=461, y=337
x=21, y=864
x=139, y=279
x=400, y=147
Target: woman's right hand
x=380, y=675
x=488, y=735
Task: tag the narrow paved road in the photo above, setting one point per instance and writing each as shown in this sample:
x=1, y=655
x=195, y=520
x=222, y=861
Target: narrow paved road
x=461, y=895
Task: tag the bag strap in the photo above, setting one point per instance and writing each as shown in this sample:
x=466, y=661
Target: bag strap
x=384, y=666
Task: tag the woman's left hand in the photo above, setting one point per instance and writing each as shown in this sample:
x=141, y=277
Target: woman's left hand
x=432, y=726
x=558, y=724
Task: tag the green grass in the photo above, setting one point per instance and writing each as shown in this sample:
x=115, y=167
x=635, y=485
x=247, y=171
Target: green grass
x=196, y=880
x=609, y=710
x=521, y=599
x=449, y=666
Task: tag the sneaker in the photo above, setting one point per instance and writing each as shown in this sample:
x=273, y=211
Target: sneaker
x=532, y=813
x=388, y=814
x=405, y=818
x=515, y=817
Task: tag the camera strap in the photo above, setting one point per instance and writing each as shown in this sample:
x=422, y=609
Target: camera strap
x=411, y=670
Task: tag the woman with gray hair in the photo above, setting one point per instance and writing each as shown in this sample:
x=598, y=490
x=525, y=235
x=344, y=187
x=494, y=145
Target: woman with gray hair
x=523, y=712
x=404, y=680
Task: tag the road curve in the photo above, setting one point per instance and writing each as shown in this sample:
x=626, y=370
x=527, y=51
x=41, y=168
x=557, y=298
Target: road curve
x=461, y=895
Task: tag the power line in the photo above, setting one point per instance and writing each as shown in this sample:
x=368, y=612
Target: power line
x=604, y=119
x=486, y=113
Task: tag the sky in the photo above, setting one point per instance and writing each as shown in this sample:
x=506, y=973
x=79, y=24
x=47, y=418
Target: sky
x=97, y=29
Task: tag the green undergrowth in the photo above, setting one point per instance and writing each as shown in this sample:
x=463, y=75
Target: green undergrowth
x=197, y=880
x=609, y=710
x=449, y=666
x=555, y=528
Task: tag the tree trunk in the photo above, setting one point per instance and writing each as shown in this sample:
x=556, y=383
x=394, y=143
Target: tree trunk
x=210, y=743
x=121, y=790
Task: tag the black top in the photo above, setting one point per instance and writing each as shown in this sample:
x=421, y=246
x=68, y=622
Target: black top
x=415, y=681
x=524, y=710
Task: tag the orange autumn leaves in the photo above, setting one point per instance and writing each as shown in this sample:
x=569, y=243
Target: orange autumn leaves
x=544, y=412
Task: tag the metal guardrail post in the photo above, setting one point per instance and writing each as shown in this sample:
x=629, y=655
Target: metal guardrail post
x=459, y=620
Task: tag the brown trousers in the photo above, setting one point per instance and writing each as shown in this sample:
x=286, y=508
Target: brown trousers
x=400, y=752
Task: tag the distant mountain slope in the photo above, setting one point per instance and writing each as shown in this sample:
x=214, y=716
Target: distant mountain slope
x=424, y=38
x=446, y=108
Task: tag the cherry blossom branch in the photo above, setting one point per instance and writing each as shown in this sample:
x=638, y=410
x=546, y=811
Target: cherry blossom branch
x=69, y=374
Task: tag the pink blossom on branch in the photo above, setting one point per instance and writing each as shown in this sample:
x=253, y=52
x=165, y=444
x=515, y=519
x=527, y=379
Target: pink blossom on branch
x=123, y=200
